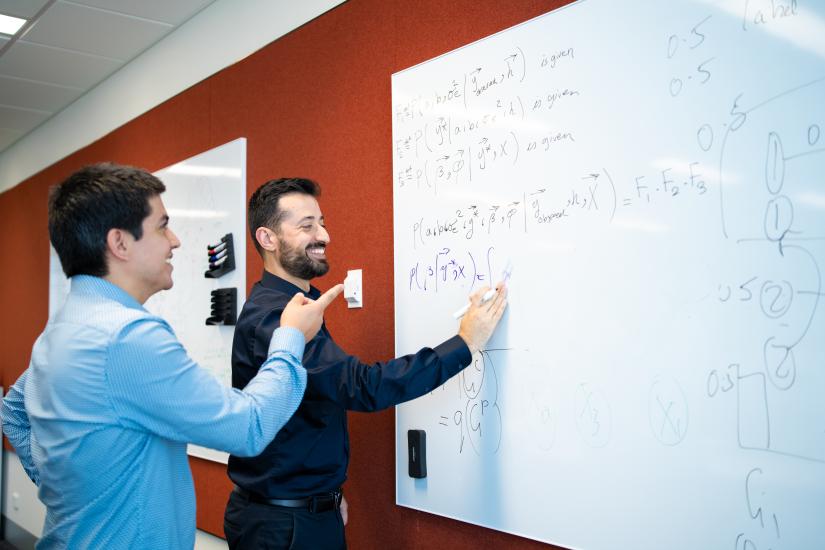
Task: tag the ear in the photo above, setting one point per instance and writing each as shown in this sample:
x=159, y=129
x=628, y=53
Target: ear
x=266, y=239
x=118, y=243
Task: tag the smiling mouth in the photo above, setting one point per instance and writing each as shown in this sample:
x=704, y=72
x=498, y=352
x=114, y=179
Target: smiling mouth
x=317, y=252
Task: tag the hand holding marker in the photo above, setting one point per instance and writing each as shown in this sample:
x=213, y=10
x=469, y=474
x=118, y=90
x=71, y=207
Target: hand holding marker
x=505, y=276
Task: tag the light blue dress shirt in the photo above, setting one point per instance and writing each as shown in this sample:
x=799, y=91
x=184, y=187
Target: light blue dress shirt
x=101, y=419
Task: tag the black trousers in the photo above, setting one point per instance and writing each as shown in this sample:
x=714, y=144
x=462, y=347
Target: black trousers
x=253, y=526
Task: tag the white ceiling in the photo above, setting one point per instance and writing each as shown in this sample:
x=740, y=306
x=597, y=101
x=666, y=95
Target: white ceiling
x=71, y=46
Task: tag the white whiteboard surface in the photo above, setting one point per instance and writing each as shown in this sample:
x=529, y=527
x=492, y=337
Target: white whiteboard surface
x=655, y=173
x=206, y=199
x=59, y=284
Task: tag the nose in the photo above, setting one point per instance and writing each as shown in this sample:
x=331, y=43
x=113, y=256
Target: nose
x=322, y=234
x=174, y=242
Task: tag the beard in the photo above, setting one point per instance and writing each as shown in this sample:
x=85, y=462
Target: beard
x=295, y=261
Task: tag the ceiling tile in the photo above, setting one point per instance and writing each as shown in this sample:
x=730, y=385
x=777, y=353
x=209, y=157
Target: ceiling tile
x=8, y=136
x=35, y=95
x=55, y=66
x=158, y=10
x=21, y=8
x=20, y=119
x=90, y=30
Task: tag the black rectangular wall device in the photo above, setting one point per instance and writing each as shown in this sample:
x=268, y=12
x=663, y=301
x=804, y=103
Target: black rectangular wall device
x=417, y=452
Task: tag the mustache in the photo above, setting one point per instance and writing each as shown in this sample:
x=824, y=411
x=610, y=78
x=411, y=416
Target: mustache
x=316, y=244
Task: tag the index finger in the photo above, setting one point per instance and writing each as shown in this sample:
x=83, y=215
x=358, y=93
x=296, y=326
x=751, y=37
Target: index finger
x=327, y=297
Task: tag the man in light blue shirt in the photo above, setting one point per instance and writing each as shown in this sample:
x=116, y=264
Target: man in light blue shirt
x=101, y=418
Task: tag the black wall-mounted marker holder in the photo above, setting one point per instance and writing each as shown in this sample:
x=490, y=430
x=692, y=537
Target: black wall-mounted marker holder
x=417, y=453
x=221, y=257
x=224, y=307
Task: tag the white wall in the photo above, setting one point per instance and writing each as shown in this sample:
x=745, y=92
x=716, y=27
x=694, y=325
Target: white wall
x=220, y=35
x=20, y=503
x=205, y=541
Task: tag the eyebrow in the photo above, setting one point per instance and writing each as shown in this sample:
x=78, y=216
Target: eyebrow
x=309, y=219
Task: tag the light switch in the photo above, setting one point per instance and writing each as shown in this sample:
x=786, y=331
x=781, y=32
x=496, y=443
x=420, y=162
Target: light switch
x=353, y=292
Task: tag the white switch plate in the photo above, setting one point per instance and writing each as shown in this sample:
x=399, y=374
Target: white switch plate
x=353, y=291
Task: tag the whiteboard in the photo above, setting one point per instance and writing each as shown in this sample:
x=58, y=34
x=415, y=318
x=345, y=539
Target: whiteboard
x=205, y=199
x=654, y=174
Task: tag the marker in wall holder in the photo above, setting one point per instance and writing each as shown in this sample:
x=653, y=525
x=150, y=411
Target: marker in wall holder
x=224, y=307
x=221, y=257
x=417, y=453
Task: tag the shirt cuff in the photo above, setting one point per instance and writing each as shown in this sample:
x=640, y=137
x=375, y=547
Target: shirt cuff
x=289, y=340
x=454, y=351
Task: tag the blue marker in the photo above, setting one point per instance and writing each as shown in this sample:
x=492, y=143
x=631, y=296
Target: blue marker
x=218, y=256
x=213, y=265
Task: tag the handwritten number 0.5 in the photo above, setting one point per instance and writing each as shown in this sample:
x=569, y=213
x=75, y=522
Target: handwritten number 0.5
x=697, y=38
x=673, y=39
x=676, y=84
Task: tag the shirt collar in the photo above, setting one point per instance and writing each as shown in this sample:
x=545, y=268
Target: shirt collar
x=87, y=284
x=271, y=281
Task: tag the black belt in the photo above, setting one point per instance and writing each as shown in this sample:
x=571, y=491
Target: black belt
x=315, y=504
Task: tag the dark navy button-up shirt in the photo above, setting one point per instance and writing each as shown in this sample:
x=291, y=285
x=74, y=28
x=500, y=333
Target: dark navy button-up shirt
x=310, y=454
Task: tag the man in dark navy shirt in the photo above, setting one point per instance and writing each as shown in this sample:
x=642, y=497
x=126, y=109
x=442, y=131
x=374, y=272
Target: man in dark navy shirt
x=290, y=495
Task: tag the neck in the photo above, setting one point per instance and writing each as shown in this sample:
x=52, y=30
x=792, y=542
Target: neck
x=272, y=266
x=124, y=284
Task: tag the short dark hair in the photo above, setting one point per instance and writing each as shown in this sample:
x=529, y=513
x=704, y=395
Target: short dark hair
x=263, y=208
x=88, y=204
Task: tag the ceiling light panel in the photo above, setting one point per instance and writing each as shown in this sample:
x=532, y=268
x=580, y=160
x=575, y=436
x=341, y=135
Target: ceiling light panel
x=10, y=25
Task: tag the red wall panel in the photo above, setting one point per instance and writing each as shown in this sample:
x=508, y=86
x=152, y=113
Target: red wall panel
x=315, y=103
